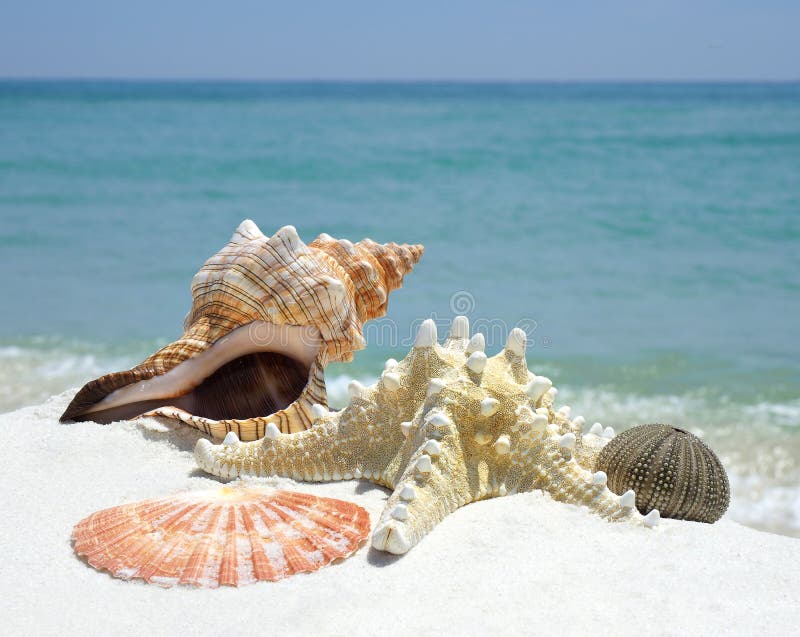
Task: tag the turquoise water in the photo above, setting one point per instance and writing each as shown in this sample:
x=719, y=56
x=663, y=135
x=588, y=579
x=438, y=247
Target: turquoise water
x=647, y=236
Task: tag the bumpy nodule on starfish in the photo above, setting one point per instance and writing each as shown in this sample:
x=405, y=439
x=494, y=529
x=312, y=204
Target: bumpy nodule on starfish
x=444, y=427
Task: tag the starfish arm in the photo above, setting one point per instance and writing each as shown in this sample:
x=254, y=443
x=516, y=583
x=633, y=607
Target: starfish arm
x=554, y=469
x=588, y=448
x=315, y=454
x=433, y=485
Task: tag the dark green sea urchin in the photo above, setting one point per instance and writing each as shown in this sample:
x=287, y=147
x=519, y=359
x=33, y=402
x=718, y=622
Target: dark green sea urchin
x=670, y=470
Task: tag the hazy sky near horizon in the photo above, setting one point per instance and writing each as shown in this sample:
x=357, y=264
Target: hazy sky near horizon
x=501, y=40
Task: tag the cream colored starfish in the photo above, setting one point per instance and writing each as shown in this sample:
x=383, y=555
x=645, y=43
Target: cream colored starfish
x=442, y=428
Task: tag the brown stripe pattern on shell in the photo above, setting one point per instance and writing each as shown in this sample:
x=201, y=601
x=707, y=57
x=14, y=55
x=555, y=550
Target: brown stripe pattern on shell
x=330, y=285
x=670, y=470
x=222, y=537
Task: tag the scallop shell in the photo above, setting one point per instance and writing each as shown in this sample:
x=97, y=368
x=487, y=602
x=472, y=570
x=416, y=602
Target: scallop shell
x=670, y=470
x=268, y=314
x=224, y=537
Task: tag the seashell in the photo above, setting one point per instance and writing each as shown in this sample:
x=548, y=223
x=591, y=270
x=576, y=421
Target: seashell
x=268, y=314
x=223, y=537
x=670, y=469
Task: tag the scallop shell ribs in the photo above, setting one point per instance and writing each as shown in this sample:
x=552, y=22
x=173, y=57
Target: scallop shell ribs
x=224, y=537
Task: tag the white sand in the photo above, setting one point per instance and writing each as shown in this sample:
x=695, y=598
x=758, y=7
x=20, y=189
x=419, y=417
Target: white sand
x=520, y=565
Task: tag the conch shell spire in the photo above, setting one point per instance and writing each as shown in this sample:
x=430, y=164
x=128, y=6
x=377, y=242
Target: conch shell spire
x=374, y=269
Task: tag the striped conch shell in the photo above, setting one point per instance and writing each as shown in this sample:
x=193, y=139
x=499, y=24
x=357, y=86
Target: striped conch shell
x=268, y=314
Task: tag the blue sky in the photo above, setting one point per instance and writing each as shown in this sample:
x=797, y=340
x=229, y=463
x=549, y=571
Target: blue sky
x=500, y=40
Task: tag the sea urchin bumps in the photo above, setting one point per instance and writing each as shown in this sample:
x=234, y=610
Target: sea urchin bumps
x=670, y=469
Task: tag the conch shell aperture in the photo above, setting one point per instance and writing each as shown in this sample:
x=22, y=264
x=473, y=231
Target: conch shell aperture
x=268, y=314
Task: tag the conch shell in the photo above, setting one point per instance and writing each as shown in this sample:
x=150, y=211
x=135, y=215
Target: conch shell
x=268, y=314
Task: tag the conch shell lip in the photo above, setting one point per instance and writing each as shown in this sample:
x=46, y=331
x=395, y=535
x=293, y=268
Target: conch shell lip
x=299, y=343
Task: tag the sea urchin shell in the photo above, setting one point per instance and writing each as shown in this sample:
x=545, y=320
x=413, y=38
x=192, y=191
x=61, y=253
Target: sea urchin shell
x=670, y=469
x=228, y=536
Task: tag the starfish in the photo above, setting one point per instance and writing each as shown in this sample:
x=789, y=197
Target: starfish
x=442, y=428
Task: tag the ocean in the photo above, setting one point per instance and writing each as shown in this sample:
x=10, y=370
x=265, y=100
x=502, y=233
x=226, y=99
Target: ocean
x=646, y=236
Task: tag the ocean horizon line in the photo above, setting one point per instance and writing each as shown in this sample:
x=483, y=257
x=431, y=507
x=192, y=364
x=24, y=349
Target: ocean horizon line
x=402, y=81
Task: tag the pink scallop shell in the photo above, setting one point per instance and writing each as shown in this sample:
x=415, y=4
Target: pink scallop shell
x=223, y=537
